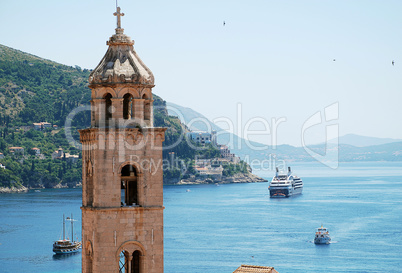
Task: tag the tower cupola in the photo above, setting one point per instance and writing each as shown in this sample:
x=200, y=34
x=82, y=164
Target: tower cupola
x=121, y=85
x=121, y=63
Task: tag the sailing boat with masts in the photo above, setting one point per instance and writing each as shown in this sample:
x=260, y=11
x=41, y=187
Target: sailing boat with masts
x=66, y=246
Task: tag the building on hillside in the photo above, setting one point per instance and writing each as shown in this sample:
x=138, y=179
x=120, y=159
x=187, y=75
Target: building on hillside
x=41, y=125
x=2, y=166
x=71, y=158
x=26, y=128
x=255, y=269
x=214, y=138
x=58, y=154
x=16, y=150
x=46, y=125
x=201, y=170
x=36, y=151
x=122, y=195
x=1, y=155
x=233, y=158
x=209, y=171
x=202, y=137
x=224, y=151
x=37, y=126
x=226, y=154
x=202, y=162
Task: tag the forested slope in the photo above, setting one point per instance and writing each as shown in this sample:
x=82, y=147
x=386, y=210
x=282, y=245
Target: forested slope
x=34, y=90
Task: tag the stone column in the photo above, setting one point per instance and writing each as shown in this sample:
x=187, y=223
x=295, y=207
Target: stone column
x=130, y=258
x=149, y=113
x=117, y=112
x=93, y=113
x=98, y=108
x=140, y=189
x=138, y=109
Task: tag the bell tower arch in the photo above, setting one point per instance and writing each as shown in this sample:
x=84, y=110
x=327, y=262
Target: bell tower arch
x=122, y=193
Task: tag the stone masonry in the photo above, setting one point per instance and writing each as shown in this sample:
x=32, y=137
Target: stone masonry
x=122, y=200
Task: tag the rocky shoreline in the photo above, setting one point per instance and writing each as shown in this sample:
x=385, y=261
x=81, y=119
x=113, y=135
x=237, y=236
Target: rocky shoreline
x=237, y=178
x=21, y=189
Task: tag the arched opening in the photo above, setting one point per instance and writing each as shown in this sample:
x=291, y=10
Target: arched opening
x=108, y=108
x=129, y=264
x=129, y=192
x=135, y=262
x=124, y=262
x=127, y=106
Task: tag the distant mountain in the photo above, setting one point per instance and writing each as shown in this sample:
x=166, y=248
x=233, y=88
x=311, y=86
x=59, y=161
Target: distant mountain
x=351, y=147
x=188, y=116
x=363, y=141
x=198, y=122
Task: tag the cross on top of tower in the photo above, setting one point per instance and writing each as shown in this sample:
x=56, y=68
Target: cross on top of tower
x=118, y=14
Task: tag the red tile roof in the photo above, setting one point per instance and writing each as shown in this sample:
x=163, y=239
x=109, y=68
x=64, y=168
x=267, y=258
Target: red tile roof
x=255, y=269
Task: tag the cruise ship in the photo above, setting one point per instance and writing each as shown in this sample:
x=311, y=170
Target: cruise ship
x=285, y=185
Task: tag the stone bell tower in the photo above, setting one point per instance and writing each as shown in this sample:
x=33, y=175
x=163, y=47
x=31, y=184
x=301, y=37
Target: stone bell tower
x=122, y=192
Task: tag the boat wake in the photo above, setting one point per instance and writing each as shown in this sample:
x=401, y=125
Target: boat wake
x=332, y=242
x=64, y=256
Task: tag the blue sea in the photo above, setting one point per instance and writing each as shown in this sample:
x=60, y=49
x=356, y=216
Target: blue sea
x=214, y=229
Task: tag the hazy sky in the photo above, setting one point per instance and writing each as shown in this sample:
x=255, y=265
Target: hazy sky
x=283, y=60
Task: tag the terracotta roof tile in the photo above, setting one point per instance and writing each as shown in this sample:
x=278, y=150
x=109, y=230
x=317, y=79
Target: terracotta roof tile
x=255, y=269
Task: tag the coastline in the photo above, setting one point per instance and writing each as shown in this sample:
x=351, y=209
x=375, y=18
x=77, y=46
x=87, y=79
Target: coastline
x=23, y=189
x=13, y=189
x=237, y=178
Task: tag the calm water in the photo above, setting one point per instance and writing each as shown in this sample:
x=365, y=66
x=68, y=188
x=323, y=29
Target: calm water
x=213, y=229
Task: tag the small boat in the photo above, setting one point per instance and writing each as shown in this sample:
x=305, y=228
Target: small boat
x=322, y=236
x=66, y=246
x=285, y=185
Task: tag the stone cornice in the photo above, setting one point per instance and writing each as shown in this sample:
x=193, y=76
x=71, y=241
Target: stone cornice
x=91, y=134
x=111, y=209
x=121, y=84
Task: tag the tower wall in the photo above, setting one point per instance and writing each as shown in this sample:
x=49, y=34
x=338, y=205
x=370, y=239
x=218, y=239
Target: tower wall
x=122, y=170
x=122, y=229
x=109, y=227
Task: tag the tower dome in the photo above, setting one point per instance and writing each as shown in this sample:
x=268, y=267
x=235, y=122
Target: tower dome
x=121, y=63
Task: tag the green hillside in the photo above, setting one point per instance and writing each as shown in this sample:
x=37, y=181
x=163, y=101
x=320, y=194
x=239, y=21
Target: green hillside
x=35, y=90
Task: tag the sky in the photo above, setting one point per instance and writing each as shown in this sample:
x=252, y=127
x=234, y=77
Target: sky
x=279, y=72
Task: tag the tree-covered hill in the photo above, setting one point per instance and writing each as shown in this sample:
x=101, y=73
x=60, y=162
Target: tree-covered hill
x=35, y=90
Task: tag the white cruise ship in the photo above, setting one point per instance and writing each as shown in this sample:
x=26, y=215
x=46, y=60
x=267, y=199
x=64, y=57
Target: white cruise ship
x=285, y=185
